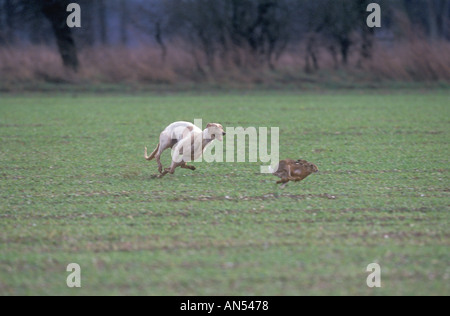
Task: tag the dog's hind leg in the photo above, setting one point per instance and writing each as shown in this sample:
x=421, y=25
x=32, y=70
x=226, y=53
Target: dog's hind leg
x=158, y=160
x=164, y=143
x=155, y=155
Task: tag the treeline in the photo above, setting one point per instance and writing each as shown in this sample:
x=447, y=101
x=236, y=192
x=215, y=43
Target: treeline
x=226, y=33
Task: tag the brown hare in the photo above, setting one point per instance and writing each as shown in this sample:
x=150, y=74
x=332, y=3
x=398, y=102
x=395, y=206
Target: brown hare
x=294, y=170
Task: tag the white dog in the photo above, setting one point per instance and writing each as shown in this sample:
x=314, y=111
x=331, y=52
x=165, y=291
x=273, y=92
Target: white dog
x=189, y=141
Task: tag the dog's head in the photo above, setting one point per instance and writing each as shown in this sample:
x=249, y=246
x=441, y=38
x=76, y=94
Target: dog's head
x=215, y=131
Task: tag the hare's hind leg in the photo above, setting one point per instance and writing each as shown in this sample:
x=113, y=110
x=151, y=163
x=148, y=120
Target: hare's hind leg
x=283, y=182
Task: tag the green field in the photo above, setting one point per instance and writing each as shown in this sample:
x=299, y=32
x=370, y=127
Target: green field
x=74, y=187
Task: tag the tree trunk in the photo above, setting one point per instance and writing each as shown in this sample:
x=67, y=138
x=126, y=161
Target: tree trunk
x=432, y=20
x=55, y=12
x=345, y=44
x=311, y=54
x=159, y=40
x=2, y=27
x=367, y=34
x=334, y=54
x=102, y=22
x=89, y=25
x=8, y=33
x=123, y=23
x=445, y=21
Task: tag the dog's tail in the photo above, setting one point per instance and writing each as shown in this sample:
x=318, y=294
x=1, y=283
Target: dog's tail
x=152, y=156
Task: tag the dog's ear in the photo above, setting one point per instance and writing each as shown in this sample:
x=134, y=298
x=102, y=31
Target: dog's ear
x=209, y=125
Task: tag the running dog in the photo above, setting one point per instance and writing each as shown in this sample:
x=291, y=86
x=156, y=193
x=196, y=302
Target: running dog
x=189, y=142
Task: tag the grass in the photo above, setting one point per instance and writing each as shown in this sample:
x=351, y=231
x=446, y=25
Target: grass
x=74, y=187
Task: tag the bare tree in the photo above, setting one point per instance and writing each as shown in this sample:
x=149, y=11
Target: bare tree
x=261, y=27
x=2, y=24
x=432, y=19
x=250, y=33
x=86, y=35
x=445, y=23
x=342, y=19
x=152, y=19
x=429, y=16
x=9, y=12
x=312, y=23
x=194, y=22
x=55, y=12
x=102, y=21
x=124, y=18
x=438, y=18
x=34, y=13
x=367, y=33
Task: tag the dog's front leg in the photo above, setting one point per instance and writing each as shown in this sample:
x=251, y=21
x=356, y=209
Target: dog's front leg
x=172, y=168
x=162, y=174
